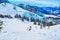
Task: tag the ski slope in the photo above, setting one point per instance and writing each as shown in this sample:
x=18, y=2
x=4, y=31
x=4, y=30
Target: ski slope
x=14, y=29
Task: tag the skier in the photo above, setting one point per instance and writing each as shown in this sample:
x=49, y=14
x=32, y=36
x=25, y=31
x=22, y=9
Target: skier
x=29, y=28
x=41, y=26
x=1, y=23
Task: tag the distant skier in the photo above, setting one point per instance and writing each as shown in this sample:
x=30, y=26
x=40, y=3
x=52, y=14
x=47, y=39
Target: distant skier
x=1, y=23
x=29, y=28
x=41, y=26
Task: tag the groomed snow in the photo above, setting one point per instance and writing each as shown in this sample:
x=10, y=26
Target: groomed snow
x=14, y=29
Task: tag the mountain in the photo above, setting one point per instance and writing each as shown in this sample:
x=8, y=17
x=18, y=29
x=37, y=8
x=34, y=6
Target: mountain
x=50, y=10
x=29, y=12
x=43, y=10
x=4, y=1
x=15, y=29
x=10, y=9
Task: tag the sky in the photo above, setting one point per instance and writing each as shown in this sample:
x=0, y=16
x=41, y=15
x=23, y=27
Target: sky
x=43, y=2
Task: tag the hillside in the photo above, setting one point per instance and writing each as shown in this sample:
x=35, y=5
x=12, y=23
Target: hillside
x=25, y=25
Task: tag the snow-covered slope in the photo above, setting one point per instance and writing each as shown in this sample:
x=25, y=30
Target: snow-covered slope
x=14, y=29
x=7, y=9
x=48, y=7
x=10, y=9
